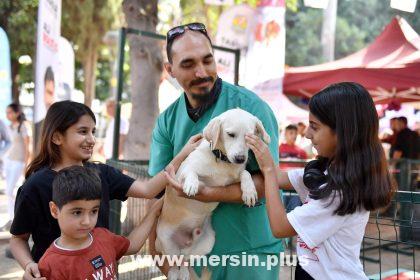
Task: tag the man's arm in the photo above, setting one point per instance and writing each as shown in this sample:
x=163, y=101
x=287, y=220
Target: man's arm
x=231, y=193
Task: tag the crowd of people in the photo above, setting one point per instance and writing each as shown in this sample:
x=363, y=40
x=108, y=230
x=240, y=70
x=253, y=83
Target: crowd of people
x=404, y=142
x=64, y=202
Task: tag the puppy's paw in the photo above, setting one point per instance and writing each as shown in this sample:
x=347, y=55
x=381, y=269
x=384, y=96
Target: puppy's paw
x=191, y=185
x=249, y=193
x=249, y=196
x=184, y=274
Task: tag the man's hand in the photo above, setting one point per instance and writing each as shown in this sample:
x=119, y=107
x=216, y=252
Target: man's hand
x=173, y=182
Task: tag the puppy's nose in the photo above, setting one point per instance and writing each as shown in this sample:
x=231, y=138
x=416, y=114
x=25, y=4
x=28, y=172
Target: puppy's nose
x=239, y=159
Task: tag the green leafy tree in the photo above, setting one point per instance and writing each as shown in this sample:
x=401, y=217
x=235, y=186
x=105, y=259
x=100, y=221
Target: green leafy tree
x=85, y=23
x=359, y=22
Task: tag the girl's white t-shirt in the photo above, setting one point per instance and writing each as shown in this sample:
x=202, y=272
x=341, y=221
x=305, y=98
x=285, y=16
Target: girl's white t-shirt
x=328, y=243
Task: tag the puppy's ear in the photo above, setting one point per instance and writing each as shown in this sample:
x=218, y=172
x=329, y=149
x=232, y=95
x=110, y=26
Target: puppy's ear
x=212, y=131
x=261, y=131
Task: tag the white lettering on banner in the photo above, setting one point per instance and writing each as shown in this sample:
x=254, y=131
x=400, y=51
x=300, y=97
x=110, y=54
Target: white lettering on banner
x=249, y=260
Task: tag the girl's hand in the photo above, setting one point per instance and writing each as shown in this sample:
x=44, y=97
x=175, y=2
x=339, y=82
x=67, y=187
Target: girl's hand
x=192, y=143
x=173, y=182
x=261, y=152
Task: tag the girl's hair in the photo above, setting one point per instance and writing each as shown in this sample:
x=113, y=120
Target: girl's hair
x=60, y=116
x=20, y=114
x=358, y=172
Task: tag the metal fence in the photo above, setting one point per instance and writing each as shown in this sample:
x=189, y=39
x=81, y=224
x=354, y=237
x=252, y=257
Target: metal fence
x=390, y=246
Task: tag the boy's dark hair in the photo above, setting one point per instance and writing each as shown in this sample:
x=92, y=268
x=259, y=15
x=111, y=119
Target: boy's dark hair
x=291, y=127
x=76, y=183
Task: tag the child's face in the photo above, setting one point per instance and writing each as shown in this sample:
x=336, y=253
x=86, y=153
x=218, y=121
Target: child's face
x=322, y=137
x=10, y=114
x=76, y=218
x=77, y=142
x=290, y=136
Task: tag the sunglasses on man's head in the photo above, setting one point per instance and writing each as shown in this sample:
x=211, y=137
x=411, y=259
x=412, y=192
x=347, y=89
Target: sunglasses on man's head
x=178, y=30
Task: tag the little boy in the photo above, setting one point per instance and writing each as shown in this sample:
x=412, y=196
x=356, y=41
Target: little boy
x=83, y=251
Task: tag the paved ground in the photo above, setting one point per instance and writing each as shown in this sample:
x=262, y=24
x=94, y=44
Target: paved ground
x=9, y=269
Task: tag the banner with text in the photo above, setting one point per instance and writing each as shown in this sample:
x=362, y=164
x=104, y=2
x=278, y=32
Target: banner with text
x=48, y=36
x=234, y=30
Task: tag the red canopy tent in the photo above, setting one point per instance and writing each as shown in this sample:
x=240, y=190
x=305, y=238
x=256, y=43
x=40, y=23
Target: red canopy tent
x=389, y=68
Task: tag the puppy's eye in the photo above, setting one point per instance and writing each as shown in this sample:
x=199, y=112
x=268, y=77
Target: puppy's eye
x=231, y=134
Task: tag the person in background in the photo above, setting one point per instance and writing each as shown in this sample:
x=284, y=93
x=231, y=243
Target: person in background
x=109, y=134
x=390, y=139
x=406, y=142
x=17, y=156
x=289, y=149
x=303, y=142
x=407, y=146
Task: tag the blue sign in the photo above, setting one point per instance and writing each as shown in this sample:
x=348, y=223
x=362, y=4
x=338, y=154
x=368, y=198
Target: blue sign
x=5, y=75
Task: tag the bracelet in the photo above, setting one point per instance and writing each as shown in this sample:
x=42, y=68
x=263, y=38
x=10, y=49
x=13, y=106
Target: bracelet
x=28, y=263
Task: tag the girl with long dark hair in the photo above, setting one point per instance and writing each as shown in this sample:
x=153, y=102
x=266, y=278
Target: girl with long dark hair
x=17, y=156
x=67, y=139
x=348, y=179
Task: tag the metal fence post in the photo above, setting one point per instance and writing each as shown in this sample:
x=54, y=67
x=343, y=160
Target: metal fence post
x=404, y=207
x=237, y=58
x=115, y=205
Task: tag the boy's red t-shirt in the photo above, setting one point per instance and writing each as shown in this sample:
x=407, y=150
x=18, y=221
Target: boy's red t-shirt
x=98, y=261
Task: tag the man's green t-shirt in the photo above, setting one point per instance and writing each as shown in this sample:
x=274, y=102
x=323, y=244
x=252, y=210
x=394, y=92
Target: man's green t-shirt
x=238, y=227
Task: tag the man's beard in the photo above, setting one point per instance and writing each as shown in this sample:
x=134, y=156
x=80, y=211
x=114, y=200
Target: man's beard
x=202, y=97
x=205, y=93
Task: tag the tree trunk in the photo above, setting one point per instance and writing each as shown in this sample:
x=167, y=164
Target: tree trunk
x=146, y=69
x=328, y=30
x=15, y=82
x=89, y=73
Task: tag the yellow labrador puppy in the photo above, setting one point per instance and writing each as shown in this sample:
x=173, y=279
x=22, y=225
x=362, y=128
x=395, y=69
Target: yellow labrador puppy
x=184, y=226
